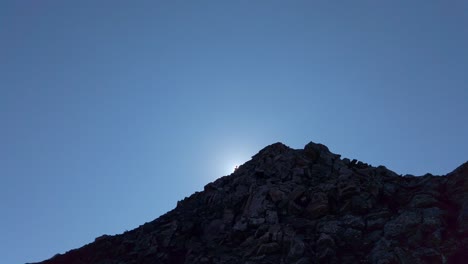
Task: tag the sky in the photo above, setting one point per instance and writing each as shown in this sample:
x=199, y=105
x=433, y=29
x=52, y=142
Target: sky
x=112, y=111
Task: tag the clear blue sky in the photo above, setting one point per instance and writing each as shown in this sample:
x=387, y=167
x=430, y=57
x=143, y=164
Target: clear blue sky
x=112, y=111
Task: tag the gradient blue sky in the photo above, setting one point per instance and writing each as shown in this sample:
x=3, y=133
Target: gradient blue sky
x=112, y=111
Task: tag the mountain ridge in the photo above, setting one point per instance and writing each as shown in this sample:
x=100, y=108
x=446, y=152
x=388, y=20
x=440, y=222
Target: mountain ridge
x=302, y=206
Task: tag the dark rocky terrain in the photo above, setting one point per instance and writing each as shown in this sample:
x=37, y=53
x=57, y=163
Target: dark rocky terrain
x=302, y=206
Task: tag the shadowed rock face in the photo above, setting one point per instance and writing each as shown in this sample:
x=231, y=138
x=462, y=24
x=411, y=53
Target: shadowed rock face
x=302, y=206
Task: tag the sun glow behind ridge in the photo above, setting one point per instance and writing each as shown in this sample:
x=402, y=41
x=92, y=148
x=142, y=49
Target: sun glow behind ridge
x=226, y=152
x=228, y=163
x=232, y=167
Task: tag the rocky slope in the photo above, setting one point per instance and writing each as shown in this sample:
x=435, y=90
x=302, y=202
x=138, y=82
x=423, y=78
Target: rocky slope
x=302, y=206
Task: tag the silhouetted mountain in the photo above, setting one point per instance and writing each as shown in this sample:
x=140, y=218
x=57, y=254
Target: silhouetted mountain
x=302, y=206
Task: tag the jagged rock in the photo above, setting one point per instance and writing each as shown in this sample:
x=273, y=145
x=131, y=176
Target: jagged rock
x=303, y=261
x=353, y=221
x=325, y=247
x=402, y=224
x=377, y=220
x=423, y=200
x=350, y=236
x=241, y=225
x=268, y=248
x=330, y=227
x=429, y=255
x=255, y=222
x=296, y=250
x=276, y=195
x=382, y=253
x=271, y=217
x=318, y=206
x=432, y=218
x=301, y=206
x=347, y=189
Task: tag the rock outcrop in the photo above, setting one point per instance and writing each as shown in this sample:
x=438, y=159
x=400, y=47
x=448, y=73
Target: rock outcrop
x=302, y=206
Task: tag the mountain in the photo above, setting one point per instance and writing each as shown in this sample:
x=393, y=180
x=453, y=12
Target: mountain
x=302, y=206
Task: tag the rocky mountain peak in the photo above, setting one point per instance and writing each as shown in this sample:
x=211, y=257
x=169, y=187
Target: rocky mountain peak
x=302, y=206
x=461, y=171
x=272, y=150
x=317, y=147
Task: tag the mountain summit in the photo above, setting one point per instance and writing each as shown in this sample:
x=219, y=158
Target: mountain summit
x=301, y=206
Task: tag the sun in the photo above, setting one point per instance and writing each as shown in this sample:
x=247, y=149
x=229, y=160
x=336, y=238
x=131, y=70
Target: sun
x=229, y=157
x=232, y=167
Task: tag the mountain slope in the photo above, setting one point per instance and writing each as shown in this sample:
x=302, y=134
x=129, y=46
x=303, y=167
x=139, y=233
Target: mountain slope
x=302, y=206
